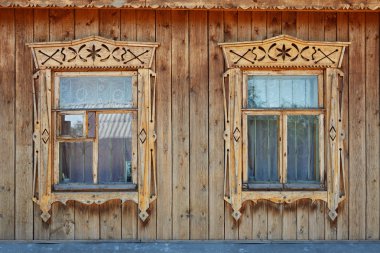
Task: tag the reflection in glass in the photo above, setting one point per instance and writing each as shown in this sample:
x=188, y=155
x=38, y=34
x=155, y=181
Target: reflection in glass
x=282, y=92
x=75, y=162
x=115, y=148
x=91, y=124
x=95, y=92
x=263, y=148
x=71, y=125
x=303, y=151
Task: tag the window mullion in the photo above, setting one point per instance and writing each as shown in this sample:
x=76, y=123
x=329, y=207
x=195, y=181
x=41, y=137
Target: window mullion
x=284, y=144
x=95, y=150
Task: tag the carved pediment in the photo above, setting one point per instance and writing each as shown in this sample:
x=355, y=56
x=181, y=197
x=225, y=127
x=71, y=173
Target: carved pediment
x=284, y=52
x=93, y=52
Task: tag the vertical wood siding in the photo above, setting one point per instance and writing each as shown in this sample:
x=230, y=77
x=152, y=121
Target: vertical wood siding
x=190, y=159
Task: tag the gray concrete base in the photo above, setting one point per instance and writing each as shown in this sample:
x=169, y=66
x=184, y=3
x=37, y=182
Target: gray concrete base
x=191, y=247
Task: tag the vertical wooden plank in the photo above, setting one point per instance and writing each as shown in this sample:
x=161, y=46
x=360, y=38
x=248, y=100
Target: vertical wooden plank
x=86, y=216
x=216, y=127
x=372, y=126
x=181, y=124
x=129, y=226
x=41, y=34
x=273, y=23
x=316, y=210
x=146, y=31
x=62, y=220
x=289, y=212
x=110, y=212
x=303, y=205
x=342, y=35
x=198, y=125
x=128, y=25
x=244, y=34
x=330, y=35
x=274, y=210
x=163, y=119
x=357, y=127
x=259, y=210
x=7, y=124
x=231, y=227
x=24, y=126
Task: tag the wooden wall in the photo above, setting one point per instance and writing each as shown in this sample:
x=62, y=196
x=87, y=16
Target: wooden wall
x=189, y=68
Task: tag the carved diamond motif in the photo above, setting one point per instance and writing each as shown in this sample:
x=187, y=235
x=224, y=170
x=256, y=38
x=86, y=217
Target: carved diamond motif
x=332, y=133
x=142, y=136
x=45, y=136
x=236, y=134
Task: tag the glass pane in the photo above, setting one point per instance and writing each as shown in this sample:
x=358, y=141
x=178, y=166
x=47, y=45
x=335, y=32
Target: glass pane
x=115, y=148
x=95, y=92
x=71, y=125
x=263, y=148
x=75, y=162
x=303, y=148
x=283, y=92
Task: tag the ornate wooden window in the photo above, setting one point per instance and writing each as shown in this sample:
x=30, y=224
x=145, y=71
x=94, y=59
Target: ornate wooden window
x=94, y=123
x=283, y=130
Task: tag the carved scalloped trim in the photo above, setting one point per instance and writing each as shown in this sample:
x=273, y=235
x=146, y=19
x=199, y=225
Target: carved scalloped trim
x=280, y=197
x=194, y=4
x=87, y=198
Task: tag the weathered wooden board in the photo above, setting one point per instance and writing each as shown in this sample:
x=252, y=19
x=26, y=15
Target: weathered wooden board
x=357, y=126
x=164, y=124
x=198, y=125
x=7, y=124
x=181, y=125
x=372, y=140
x=216, y=127
x=24, y=124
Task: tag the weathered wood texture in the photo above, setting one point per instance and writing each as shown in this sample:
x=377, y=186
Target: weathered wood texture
x=190, y=123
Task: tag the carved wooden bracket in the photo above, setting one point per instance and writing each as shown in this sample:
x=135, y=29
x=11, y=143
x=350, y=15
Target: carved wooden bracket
x=283, y=52
x=92, y=53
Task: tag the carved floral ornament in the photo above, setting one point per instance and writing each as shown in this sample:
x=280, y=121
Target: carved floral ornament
x=285, y=53
x=93, y=53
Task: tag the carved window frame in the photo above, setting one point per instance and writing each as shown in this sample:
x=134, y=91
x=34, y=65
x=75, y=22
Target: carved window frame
x=283, y=55
x=95, y=56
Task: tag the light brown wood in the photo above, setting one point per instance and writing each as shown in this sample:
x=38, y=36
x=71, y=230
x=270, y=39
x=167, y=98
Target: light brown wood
x=7, y=125
x=216, y=127
x=198, y=125
x=372, y=126
x=181, y=130
x=357, y=127
x=24, y=119
x=164, y=125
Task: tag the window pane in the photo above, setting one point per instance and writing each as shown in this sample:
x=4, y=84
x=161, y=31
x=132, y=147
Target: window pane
x=115, y=148
x=263, y=148
x=71, y=125
x=75, y=162
x=91, y=124
x=282, y=92
x=303, y=148
x=95, y=92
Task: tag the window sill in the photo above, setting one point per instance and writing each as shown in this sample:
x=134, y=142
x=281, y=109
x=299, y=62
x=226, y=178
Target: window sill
x=284, y=187
x=94, y=187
